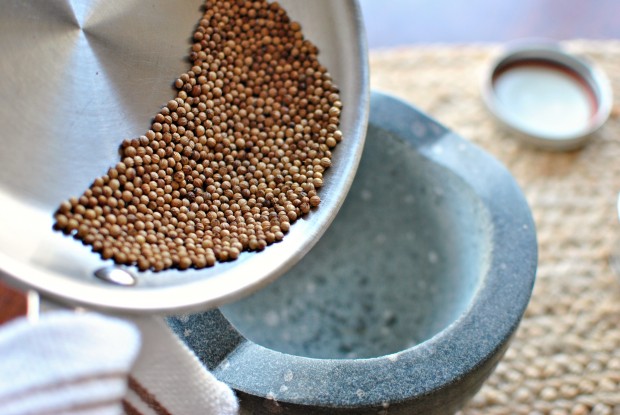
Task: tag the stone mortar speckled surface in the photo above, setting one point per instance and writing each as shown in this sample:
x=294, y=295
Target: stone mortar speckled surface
x=409, y=300
x=565, y=357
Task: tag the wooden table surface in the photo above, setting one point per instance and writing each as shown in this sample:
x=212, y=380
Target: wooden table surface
x=12, y=303
x=397, y=23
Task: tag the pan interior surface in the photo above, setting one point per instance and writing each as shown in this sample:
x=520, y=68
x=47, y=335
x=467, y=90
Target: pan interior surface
x=82, y=76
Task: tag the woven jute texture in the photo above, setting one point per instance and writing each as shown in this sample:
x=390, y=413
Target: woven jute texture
x=565, y=357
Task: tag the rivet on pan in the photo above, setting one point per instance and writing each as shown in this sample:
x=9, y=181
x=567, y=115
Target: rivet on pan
x=116, y=276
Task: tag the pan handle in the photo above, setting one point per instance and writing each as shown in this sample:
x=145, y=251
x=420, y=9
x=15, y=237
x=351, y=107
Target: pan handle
x=36, y=305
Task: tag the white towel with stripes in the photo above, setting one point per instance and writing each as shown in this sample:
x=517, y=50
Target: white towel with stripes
x=90, y=364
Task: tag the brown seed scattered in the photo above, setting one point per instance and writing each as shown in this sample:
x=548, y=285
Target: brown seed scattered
x=231, y=162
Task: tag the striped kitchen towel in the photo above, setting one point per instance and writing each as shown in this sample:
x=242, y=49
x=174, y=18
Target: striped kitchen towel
x=89, y=364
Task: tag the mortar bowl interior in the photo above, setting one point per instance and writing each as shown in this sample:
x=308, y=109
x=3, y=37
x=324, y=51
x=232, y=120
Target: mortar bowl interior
x=408, y=301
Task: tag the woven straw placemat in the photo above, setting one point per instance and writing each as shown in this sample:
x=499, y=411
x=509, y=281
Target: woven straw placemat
x=565, y=357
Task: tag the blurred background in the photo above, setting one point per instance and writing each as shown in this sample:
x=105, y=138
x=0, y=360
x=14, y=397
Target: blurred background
x=395, y=23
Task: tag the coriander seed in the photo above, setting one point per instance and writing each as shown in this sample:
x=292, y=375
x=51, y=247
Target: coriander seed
x=230, y=163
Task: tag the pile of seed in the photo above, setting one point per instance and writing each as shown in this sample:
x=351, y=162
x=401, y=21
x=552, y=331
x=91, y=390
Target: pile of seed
x=231, y=162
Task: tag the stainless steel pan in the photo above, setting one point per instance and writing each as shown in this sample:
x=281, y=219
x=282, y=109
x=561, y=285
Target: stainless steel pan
x=79, y=76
